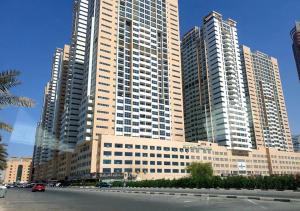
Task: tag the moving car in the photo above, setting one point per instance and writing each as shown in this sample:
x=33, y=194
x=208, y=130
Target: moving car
x=39, y=187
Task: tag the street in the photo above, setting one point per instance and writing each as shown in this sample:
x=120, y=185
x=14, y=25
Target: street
x=88, y=199
x=232, y=192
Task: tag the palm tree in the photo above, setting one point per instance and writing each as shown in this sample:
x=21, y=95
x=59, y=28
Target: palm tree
x=8, y=80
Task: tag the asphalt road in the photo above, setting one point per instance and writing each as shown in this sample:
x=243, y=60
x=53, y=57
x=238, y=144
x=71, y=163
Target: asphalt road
x=81, y=199
x=233, y=192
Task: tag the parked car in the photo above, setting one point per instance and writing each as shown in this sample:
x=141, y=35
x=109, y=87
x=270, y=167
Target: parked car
x=29, y=185
x=103, y=185
x=11, y=186
x=39, y=187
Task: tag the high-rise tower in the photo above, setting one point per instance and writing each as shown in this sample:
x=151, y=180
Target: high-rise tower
x=268, y=114
x=74, y=87
x=132, y=74
x=214, y=94
x=295, y=35
x=46, y=128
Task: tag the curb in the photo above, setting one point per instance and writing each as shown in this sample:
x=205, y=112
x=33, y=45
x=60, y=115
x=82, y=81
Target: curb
x=210, y=196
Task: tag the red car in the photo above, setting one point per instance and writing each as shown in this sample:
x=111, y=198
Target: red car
x=38, y=187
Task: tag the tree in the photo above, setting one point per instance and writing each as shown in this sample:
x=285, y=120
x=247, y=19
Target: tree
x=200, y=170
x=9, y=80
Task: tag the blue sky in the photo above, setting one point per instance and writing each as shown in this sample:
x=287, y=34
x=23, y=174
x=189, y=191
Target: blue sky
x=32, y=29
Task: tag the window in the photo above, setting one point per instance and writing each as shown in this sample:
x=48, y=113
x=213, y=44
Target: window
x=128, y=146
x=107, y=145
x=128, y=162
x=107, y=153
x=118, y=162
x=128, y=170
x=106, y=161
x=106, y=170
x=118, y=153
x=117, y=170
x=128, y=154
x=167, y=171
x=118, y=145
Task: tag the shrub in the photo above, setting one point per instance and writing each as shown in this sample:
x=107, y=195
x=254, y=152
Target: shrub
x=200, y=170
x=117, y=184
x=284, y=182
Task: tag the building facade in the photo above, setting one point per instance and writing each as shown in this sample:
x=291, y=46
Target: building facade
x=51, y=94
x=214, y=94
x=132, y=73
x=296, y=143
x=141, y=159
x=74, y=88
x=295, y=35
x=129, y=118
x=18, y=170
x=48, y=129
x=267, y=110
x=132, y=77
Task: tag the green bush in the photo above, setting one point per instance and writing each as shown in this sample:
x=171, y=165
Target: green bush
x=284, y=182
x=117, y=184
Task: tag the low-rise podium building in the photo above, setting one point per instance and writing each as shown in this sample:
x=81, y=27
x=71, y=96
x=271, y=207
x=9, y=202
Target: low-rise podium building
x=18, y=170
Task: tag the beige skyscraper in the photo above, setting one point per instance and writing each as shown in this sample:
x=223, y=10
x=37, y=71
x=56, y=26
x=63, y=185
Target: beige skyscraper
x=267, y=111
x=132, y=74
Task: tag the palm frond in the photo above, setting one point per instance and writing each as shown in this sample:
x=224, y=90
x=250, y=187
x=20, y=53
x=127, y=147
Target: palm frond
x=12, y=73
x=3, y=157
x=8, y=80
x=11, y=100
x=4, y=126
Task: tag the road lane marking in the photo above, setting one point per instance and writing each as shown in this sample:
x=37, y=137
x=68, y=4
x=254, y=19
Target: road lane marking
x=187, y=201
x=256, y=204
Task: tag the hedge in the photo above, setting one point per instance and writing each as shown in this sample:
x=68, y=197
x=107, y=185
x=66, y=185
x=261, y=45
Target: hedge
x=285, y=182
